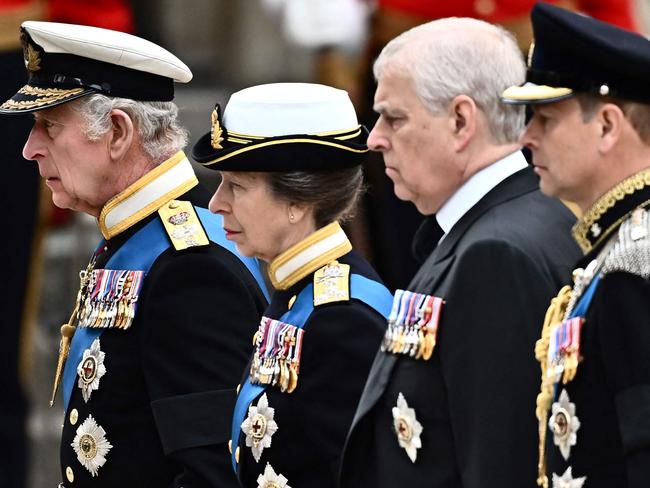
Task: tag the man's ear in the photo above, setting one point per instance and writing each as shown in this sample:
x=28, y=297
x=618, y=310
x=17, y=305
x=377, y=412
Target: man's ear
x=611, y=121
x=462, y=118
x=122, y=135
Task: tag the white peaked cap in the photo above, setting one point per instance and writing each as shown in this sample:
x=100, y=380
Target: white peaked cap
x=109, y=46
x=65, y=62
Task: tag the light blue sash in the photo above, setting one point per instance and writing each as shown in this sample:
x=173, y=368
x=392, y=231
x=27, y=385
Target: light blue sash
x=370, y=292
x=138, y=254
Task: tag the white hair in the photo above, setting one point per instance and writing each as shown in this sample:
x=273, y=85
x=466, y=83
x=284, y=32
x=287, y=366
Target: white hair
x=461, y=56
x=161, y=133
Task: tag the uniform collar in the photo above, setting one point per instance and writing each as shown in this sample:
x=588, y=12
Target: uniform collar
x=611, y=209
x=160, y=185
x=308, y=255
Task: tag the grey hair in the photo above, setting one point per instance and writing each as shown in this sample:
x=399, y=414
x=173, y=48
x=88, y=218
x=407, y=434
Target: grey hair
x=332, y=195
x=461, y=56
x=157, y=123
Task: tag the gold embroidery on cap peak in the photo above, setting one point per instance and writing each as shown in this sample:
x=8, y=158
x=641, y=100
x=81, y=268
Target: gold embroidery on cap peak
x=46, y=96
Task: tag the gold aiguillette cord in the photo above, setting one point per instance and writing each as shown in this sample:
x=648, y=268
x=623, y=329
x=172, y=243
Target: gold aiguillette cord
x=554, y=315
x=68, y=329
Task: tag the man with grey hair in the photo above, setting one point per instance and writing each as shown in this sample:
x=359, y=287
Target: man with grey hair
x=448, y=398
x=150, y=357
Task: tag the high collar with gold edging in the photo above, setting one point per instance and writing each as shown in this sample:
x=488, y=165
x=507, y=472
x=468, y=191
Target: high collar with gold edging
x=611, y=209
x=310, y=254
x=164, y=183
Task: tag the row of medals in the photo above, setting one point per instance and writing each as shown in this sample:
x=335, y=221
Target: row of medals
x=412, y=324
x=111, y=298
x=276, y=360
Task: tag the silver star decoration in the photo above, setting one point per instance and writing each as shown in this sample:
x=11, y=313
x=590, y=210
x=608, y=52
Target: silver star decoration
x=564, y=424
x=90, y=370
x=271, y=480
x=91, y=446
x=567, y=480
x=259, y=427
x=596, y=230
x=407, y=428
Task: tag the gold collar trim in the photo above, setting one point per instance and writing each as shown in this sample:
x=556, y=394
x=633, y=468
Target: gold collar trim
x=308, y=255
x=588, y=232
x=164, y=183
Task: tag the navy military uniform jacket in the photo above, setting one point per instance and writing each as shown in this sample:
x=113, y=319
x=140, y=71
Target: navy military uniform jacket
x=168, y=389
x=610, y=394
x=340, y=340
x=495, y=270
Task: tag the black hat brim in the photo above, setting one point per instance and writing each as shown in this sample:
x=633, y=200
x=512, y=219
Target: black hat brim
x=299, y=152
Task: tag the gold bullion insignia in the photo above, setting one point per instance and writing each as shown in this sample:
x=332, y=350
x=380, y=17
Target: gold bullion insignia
x=332, y=283
x=183, y=225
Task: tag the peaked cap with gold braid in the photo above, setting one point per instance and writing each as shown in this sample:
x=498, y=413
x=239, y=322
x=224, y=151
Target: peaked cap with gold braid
x=574, y=53
x=66, y=61
x=284, y=127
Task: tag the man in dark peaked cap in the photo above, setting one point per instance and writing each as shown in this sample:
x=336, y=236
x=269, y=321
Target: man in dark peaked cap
x=152, y=353
x=447, y=399
x=587, y=84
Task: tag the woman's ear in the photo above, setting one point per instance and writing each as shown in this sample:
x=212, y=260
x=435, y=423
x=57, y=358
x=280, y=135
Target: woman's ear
x=122, y=136
x=296, y=213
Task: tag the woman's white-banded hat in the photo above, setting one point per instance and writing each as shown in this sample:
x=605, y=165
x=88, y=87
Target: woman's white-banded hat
x=284, y=127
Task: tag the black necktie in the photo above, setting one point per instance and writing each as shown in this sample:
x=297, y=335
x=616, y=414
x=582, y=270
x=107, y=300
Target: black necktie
x=426, y=238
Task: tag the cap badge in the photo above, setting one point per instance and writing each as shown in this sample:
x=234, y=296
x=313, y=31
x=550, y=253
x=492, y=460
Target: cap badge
x=259, y=427
x=91, y=446
x=407, y=428
x=32, y=58
x=216, y=131
x=565, y=424
x=270, y=479
x=567, y=480
x=529, y=58
x=90, y=370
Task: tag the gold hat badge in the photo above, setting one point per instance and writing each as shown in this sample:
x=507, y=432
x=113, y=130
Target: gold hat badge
x=531, y=51
x=216, y=131
x=31, y=55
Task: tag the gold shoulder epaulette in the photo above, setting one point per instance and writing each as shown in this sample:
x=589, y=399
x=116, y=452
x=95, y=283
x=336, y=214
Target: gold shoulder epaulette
x=332, y=283
x=631, y=252
x=182, y=225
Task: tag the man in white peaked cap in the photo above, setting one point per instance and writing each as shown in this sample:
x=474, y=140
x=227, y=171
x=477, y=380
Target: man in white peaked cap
x=152, y=352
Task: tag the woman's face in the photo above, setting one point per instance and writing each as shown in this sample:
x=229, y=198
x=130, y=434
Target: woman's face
x=253, y=218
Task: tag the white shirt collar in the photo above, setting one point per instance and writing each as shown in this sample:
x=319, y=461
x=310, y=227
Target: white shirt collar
x=476, y=188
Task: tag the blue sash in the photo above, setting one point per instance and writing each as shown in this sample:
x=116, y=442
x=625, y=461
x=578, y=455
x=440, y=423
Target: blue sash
x=138, y=254
x=370, y=292
x=580, y=310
